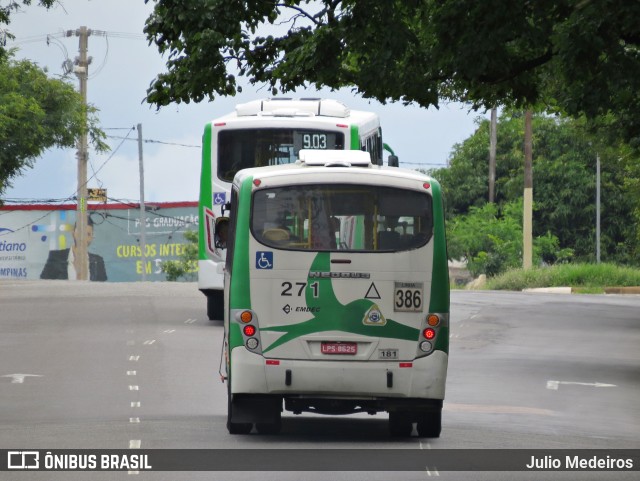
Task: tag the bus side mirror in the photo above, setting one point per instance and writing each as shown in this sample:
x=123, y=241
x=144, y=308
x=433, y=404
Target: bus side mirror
x=221, y=232
x=392, y=161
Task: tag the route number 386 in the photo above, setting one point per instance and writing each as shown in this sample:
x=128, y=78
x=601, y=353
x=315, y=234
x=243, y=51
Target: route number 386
x=407, y=297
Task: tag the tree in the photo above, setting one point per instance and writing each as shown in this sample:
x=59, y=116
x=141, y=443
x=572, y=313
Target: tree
x=576, y=56
x=187, y=265
x=490, y=239
x=36, y=113
x=564, y=182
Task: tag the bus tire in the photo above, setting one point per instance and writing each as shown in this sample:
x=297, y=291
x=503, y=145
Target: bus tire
x=239, y=428
x=235, y=428
x=400, y=425
x=215, y=305
x=430, y=424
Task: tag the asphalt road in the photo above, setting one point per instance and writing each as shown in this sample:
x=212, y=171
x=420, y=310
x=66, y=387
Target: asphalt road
x=119, y=366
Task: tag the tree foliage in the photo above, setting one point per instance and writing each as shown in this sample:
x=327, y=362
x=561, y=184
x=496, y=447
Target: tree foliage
x=187, y=265
x=490, y=239
x=577, y=56
x=564, y=190
x=36, y=113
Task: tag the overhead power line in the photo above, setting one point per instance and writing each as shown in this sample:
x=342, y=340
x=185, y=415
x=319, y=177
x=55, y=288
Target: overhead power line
x=152, y=141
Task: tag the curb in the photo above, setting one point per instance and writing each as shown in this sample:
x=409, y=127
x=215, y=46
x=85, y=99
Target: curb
x=622, y=290
x=569, y=290
x=550, y=290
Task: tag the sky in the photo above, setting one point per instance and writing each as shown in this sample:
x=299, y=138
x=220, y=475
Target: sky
x=124, y=64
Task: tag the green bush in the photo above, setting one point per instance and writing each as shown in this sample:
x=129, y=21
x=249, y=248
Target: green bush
x=187, y=266
x=490, y=240
x=586, y=277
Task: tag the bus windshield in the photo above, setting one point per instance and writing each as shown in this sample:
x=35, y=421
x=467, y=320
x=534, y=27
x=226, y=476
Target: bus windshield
x=342, y=217
x=246, y=148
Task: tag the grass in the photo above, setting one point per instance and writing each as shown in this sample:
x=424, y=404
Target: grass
x=584, y=278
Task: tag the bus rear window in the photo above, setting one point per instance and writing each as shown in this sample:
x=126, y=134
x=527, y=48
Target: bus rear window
x=246, y=148
x=342, y=218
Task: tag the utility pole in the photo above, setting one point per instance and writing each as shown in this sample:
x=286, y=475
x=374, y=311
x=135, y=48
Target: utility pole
x=598, y=208
x=143, y=225
x=527, y=220
x=81, y=70
x=493, y=141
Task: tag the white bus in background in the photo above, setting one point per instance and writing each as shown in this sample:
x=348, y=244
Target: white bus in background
x=266, y=133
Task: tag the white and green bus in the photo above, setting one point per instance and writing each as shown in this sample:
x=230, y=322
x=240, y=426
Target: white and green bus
x=337, y=293
x=262, y=133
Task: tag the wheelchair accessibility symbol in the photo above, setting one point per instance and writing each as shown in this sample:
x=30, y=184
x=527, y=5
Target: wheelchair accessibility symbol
x=219, y=198
x=264, y=260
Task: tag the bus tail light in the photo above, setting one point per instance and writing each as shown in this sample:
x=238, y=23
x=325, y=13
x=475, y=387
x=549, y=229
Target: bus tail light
x=429, y=333
x=426, y=346
x=433, y=320
x=249, y=330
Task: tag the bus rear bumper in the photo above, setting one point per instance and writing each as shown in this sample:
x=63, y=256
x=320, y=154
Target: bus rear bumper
x=421, y=378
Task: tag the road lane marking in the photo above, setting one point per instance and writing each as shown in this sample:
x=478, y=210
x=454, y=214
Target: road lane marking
x=134, y=444
x=134, y=388
x=554, y=385
x=169, y=331
x=134, y=358
x=134, y=420
x=135, y=404
x=495, y=409
x=132, y=373
x=19, y=378
x=149, y=342
x=190, y=321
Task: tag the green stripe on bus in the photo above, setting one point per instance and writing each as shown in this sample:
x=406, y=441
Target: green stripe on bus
x=439, y=300
x=355, y=138
x=206, y=194
x=240, y=282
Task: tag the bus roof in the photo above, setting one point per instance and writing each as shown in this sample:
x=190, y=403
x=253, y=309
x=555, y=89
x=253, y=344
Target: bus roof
x=337, y=166
x=328, y=110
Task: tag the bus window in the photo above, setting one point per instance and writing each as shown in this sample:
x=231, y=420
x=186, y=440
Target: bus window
x=245, y=148
x=342, y=217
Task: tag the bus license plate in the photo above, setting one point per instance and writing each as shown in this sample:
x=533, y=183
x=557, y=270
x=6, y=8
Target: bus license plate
x=387, y=354
x=339, y=348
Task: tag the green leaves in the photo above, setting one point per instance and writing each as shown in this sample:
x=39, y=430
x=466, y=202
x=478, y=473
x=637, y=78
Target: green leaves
x=564, y=190
x=37, y=113
x=579, y=57
x=187, y=265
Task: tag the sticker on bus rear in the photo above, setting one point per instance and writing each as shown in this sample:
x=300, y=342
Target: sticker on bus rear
x=407, y=296
x=264, y=260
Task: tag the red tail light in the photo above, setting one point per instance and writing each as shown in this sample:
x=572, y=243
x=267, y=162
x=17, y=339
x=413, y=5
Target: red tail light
x=429, y=333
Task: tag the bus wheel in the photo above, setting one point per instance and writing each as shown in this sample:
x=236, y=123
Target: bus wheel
x=235, y=428
x=215, y=305
x=400, y=425
x=430, y=424
x=239, y=428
